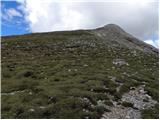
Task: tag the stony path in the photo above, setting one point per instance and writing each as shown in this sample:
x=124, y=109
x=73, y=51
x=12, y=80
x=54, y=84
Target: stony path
x=140, y=100
x=120, y=112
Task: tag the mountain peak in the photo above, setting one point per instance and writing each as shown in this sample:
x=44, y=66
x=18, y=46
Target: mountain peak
x=113, y=27
x=112, y=33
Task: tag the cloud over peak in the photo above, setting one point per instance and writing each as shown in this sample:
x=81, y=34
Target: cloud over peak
x=137, y=18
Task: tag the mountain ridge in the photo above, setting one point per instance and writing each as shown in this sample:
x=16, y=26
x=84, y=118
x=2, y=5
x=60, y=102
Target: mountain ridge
x=115, y=30
x=106, y=28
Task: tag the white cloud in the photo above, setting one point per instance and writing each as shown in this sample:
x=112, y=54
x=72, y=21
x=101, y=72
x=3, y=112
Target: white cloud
x=154, y=43
x=51, y=16
x=11, y=12
x=137, y=18
x=8, y=14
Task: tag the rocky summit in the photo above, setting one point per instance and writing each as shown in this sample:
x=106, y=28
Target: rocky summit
x=99, y=73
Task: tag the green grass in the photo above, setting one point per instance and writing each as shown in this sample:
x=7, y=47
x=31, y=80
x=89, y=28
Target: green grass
x=57, y=70
x=127, y=104
x=152, y=113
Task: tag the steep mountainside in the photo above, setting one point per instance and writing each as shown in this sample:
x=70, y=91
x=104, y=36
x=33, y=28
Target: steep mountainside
x=100, y=73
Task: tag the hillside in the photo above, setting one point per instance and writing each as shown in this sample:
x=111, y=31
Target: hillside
x=99, y=73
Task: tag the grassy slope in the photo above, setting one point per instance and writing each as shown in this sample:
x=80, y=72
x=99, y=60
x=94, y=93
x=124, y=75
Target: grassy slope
x=58, y=70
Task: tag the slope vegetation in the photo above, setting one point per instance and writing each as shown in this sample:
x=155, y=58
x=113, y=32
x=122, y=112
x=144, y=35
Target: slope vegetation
x=77, y=74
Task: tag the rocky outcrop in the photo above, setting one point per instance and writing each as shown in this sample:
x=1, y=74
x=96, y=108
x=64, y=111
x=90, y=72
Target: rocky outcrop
x=138, y=98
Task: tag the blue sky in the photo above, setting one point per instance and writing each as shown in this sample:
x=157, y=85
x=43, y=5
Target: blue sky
x=138, y=17
x=12, y=23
